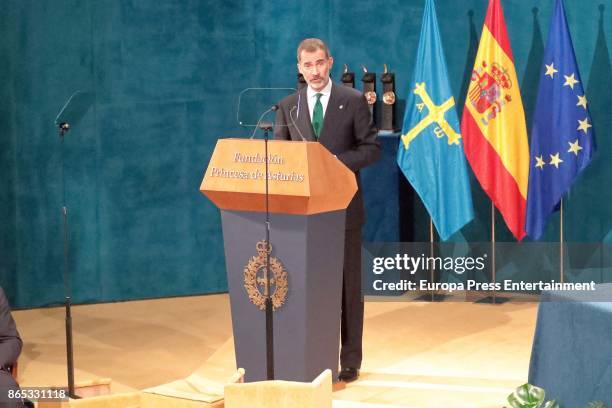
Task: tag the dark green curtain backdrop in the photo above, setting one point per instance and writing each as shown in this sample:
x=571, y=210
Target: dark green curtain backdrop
x=166, y=76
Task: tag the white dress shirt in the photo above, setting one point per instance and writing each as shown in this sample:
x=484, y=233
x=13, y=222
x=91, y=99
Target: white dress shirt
x=312, y=98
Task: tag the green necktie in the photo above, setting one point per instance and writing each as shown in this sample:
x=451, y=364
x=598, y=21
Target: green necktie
x=317, y=116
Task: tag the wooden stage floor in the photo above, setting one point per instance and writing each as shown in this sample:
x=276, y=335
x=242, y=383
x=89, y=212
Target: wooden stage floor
x=450, y=354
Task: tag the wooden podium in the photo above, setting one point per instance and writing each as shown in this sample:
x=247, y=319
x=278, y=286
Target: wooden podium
x=309, y=190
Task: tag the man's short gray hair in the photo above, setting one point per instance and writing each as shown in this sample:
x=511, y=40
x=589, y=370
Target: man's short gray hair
x=312, y=45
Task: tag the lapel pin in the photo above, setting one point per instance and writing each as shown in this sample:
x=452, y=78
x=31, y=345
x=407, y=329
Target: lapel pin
x=341, y=106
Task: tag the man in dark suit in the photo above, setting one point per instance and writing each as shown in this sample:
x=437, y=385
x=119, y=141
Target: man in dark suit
x=10, y=347
x=338, y=117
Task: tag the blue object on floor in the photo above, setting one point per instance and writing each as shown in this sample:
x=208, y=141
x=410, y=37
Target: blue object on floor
x=571, y=356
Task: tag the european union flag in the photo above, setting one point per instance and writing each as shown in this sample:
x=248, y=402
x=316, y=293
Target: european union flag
x=562, y=137
x=430, y=153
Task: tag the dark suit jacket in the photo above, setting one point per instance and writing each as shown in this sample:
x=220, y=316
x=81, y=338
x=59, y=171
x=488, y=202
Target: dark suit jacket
x=348, y=132
x=10, y=342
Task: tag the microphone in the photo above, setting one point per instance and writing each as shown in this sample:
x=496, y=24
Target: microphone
x=268, y=126
x=298, y=105
x=264, y=125
x=63, y=127
x=294, y=124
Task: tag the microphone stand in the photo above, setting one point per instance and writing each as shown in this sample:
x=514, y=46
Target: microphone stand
x=267, y=127
x=63, y=128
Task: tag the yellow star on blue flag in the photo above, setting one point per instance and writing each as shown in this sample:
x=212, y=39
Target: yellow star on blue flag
x=561, y=119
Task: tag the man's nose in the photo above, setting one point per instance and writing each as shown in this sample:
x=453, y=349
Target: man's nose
x=314, y=70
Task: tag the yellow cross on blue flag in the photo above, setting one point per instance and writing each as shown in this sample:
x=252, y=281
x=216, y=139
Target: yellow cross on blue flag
x=562, y=138
x=430, y=152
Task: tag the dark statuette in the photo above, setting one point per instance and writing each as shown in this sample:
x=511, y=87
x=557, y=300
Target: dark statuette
x=369, y=89
x=388, y=97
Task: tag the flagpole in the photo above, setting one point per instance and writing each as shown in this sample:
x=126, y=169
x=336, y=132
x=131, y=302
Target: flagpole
x=431, y=254
x=493, y=298
x=432, y=296
x=561, y=239
x=493, y=275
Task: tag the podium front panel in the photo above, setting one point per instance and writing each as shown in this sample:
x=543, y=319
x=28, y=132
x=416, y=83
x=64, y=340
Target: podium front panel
x=307, y=325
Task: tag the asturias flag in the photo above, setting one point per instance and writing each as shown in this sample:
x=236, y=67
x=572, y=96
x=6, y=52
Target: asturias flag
x=562, y=138
x=493, y=123
x=430, y=152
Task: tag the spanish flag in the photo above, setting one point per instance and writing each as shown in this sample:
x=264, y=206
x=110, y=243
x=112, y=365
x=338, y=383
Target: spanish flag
x=493, y=123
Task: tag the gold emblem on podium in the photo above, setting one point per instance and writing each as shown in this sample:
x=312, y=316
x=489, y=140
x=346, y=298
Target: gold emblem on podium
x=256, y=275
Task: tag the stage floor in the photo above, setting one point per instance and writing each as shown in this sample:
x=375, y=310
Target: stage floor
x=416, y=354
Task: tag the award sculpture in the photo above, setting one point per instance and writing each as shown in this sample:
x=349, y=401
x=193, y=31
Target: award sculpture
x=369, y=90
x=388, y=98
x=348, y=78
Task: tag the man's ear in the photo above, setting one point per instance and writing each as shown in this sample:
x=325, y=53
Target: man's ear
x=331, y=62
x=299, y=68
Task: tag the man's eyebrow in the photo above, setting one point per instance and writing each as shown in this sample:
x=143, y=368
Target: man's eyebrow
x=315, y=62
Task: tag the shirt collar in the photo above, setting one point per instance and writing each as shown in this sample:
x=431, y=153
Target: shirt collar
x=325, y=91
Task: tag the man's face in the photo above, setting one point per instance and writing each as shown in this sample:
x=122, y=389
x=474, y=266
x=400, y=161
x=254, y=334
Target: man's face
x=315, y=67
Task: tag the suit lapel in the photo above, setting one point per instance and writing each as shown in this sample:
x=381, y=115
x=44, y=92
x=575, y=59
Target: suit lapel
x=331, y=113
x=304, y=122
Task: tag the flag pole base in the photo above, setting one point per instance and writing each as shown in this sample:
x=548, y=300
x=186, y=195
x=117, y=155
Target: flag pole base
x=432, y=297
x=493, y=300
